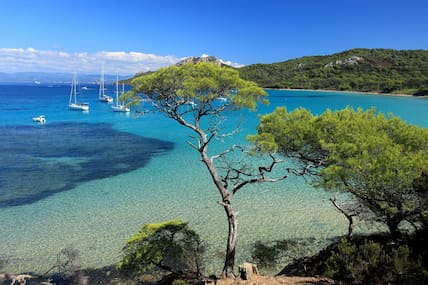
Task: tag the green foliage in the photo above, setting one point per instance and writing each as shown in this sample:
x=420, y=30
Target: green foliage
x=169, y=245
x=197, y=95
x=372, y=156
x=372, y=263
x=380, y=70
x=179, y=282
x=420, y=184
x=267, y=255
x=202, y=83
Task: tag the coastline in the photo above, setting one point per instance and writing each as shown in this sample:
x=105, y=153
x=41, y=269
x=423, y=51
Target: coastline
x=349, y=92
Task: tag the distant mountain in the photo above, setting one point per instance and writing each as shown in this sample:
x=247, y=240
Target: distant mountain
x=373, y=70
x=53, y=78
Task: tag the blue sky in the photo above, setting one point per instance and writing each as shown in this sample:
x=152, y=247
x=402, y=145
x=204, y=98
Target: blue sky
x=138, y=35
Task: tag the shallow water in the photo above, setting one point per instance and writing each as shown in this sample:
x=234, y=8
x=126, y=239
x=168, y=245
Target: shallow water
x=39, y=161
x=98, y=212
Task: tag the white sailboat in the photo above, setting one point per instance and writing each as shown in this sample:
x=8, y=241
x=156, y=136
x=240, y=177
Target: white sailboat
x=102, y=97
x=117, y=106
x=72, y=104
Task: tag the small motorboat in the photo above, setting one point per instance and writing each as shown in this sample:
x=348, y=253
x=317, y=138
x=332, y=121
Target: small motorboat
x=40, y=119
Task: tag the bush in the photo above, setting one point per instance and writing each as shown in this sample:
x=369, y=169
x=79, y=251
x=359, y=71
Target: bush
x=67, y=262
x=421, y=92
x=373, y=263
x=179, y=282
x=265, y=255
x=268, y=255
x=170, y=246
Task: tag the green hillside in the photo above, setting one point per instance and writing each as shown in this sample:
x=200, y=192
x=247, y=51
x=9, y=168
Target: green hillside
x=368, y=70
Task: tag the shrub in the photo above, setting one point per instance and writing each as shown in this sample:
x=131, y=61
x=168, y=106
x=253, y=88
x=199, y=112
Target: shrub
x=179, y=282
x=373, y=263
x=67, y=262
x=268, y=255
x=171, y=246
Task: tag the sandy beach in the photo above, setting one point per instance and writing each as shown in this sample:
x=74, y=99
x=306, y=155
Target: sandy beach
x=348, y=92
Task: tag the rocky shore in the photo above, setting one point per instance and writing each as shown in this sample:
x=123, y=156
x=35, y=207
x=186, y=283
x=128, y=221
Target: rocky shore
x=27, y=279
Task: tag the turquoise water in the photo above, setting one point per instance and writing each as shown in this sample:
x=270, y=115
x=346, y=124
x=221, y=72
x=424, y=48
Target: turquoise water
x=99, y=210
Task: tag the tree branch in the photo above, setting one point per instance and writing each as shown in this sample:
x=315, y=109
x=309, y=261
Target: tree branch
x=348, y=216
x=261, y=173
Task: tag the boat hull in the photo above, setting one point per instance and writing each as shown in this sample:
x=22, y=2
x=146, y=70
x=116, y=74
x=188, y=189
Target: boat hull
x=79, y=107
x=39, y=119
x=120, y=108
x=106, y=99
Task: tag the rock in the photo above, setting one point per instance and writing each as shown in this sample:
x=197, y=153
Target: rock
x=203, y=58
x=247, y=270
x=21, y=279
x=353, y=60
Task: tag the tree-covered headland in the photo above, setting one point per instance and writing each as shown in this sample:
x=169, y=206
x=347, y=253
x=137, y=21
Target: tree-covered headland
x=366, y=70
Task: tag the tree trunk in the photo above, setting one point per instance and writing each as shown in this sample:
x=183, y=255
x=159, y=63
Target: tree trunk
x=392, y=224
x=350, y=227
x=231, y=241
x=350, y=217
x=231, y=216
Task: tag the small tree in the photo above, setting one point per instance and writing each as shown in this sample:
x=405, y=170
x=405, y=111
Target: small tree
x=197, y=96
x=67, y=262
x=373, y=157
x=370, y=262
x=171, y=246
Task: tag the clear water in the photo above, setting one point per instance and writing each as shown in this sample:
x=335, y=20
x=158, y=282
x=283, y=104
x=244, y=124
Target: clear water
x=106, y=187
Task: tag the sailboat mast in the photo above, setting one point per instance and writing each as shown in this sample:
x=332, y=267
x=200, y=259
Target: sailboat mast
x=117, y=89
x=71, y=92
x=75, y=88
x=101, y=84
x=123, y=88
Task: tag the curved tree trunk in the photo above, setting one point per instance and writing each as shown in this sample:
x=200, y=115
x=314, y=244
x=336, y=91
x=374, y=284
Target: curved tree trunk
x=231, y=241
x=189, y=80
x=231, y=216
x=350, y=218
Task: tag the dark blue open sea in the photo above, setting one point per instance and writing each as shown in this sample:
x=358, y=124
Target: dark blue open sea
x=90, y=180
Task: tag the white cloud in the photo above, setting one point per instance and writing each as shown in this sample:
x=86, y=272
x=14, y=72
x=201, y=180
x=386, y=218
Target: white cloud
x=126, y=63
x=30, y=59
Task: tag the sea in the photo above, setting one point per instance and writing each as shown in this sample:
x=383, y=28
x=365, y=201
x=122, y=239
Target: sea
x=88, y=181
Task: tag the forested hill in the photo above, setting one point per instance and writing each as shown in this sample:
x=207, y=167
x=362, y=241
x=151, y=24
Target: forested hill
x=369, y=70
